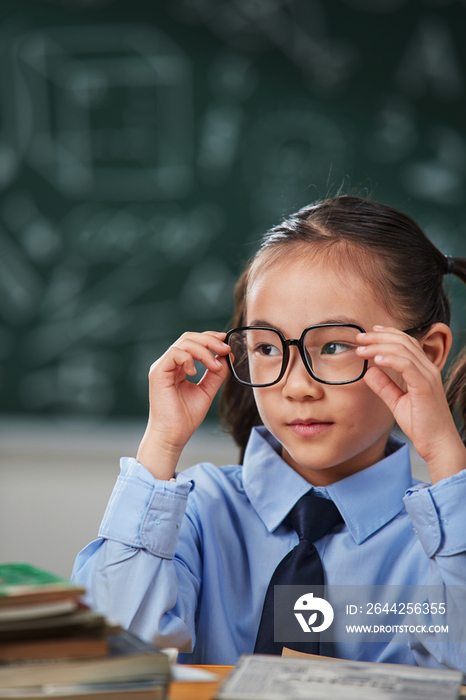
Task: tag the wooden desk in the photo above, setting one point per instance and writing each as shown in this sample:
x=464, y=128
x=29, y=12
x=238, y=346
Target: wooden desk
x=199, y=691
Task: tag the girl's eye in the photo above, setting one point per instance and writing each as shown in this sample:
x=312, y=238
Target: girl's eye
x=267, y=350
x=335, y=348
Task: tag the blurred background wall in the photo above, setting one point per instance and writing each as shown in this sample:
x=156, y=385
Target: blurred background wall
x=144, y=148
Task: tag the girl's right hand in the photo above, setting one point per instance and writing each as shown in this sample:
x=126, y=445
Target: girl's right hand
x=178, y=406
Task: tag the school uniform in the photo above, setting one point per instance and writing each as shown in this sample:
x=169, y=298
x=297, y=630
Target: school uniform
x=187, y=563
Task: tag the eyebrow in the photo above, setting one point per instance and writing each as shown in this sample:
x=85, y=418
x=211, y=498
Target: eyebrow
x=341, y=319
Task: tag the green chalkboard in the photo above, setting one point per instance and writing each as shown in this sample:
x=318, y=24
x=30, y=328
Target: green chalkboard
x=145, y=146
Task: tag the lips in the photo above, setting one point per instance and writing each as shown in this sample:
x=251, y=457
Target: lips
x=309, y=427
x=306, y=421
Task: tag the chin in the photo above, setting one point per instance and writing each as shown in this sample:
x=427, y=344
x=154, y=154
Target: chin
x=315, y=462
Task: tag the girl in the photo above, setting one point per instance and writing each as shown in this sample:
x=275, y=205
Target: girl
x=343, y=330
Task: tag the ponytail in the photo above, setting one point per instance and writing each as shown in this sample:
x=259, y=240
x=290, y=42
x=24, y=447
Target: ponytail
x=455, y=384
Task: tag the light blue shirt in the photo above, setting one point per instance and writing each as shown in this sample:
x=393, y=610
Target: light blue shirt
x=187, y=563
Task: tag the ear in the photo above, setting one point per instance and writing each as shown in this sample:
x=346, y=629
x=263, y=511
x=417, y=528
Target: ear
x=437, y=344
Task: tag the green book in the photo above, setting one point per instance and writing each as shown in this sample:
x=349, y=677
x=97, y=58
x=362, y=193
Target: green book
x=25, y=583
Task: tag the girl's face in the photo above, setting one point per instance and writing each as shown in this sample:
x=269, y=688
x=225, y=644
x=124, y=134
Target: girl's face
x=327, y=432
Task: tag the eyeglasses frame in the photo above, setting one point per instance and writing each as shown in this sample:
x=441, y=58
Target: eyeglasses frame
x=299, y=343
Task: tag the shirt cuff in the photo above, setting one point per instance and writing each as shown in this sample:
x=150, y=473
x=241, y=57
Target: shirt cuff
x=437, y=513
x=144, y=512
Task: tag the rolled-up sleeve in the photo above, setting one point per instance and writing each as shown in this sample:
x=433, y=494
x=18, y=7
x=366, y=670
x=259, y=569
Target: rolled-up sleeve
x=438, y=515
x=144, y=512
x=130, y=573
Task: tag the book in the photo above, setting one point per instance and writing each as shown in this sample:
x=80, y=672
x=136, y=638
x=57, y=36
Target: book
x=129, y=662
x=115, y=669
x=29, y=612
x=261, y=677
x=302, y=655
x=80, y=622
x=143, y=690
x=25, y=584
x=61, y=648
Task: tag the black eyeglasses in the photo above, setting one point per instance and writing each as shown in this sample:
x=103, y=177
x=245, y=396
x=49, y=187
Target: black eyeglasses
x=259, y=355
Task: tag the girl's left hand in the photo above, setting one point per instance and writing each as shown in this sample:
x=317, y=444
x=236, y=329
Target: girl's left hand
x=420, y=408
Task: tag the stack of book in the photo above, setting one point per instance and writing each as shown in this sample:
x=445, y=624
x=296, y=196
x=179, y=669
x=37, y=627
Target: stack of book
x=52, y=645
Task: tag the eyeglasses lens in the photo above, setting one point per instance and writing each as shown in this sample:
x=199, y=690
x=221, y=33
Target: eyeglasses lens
x=330, y=351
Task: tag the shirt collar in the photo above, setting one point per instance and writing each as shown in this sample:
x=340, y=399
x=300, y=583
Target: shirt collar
x=270, y=484
x=273, y=487
x=369, y=499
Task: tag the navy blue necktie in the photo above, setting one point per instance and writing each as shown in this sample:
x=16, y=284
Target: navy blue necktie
x=312, y=517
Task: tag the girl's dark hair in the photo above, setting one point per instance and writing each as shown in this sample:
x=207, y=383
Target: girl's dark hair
x=394, y=256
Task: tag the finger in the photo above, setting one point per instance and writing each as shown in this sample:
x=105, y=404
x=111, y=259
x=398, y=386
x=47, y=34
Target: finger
x=384, y=387
x=387, y=335
x=205, y=354
x=389, y=329
x=208, y=340
x=168, y=367
x=392, y=329
x=416, y=378
x=221, y=335
x=411, y=353
x=393, y=345
x=216, y=334
x=212, y=381
x=176, y=358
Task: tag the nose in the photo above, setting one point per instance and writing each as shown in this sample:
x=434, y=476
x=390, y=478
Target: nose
x=297, y=382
